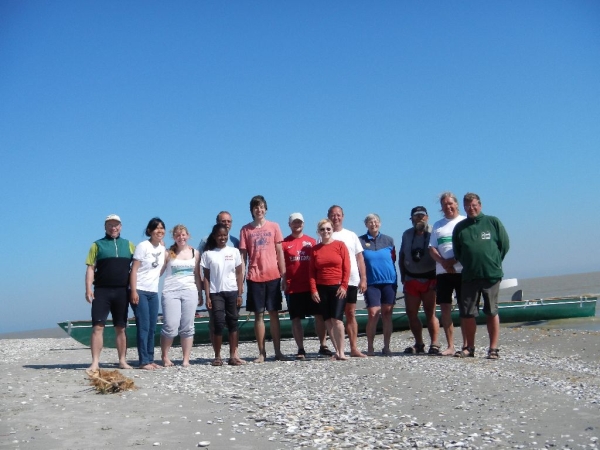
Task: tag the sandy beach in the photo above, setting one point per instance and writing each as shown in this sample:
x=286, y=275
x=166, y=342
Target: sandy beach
x=544, y=392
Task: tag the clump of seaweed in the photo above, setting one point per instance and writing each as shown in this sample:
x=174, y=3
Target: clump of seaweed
x=110, y=381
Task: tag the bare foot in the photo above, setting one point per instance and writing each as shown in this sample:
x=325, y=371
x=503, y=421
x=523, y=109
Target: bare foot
x=357, y=354
x=448, y=352
x=385, y=351
x=261, y=359
x=156, y=366
x=93, y=368
x=124, y=365
x=185, y=364
x=167, y=362
x=147, y=367
x=235, y=362
x=370, y=352
x=343, y=357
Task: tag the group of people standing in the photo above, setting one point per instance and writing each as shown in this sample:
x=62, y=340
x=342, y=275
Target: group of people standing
x=320, y=278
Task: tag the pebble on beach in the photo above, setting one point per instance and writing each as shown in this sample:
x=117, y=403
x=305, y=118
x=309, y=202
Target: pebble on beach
x=544, y=392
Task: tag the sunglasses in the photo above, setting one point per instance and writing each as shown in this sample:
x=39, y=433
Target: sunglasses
x=324, y=229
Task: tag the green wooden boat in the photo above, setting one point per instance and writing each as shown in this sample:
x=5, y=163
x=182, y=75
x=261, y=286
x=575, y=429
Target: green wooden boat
x=515, y=311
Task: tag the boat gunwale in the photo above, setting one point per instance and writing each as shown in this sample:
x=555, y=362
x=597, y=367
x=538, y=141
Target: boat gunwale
x=249, y=317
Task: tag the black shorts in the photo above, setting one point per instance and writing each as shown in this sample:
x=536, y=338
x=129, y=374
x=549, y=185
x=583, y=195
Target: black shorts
x=224, y=311
x=352, y=294
x=331, y=307
x=110, y=299
x=446, y=284
x=265, y=295
x=301, y=305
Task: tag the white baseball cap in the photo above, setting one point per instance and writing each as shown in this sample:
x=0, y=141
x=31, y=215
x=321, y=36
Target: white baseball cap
x=296, y=216
x=112, y=217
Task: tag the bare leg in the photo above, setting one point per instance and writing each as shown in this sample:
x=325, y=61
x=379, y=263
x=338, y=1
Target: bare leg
x=165, y=346
x=352, y=330
x=329, y=326
x=493, y=327
x=337, y=329
x=186, y=348
x=259, y=333
x=412, y=311
x=236, y=348
x=433, y=325
x=386, y=319
x=96, y=346
x=469, y=327
x=298, y=332
x=374, y=314
x=276, y=333
x=448, y=328
x=122, y=347
x=217, y=342
x=321, y=330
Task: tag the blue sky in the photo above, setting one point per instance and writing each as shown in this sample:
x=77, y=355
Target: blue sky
x=182, y=109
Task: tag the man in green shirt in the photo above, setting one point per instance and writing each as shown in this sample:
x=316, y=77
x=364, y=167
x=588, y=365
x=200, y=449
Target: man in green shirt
x=107, y=288
x=480, y=244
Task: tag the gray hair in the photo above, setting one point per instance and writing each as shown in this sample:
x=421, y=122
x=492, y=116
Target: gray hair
x=447, y=194
x=371, y=217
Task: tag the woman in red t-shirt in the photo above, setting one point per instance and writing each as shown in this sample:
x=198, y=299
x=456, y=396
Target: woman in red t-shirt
x=329, y=274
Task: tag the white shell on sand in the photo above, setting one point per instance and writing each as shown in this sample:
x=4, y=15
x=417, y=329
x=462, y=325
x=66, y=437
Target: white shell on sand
x=543, y=392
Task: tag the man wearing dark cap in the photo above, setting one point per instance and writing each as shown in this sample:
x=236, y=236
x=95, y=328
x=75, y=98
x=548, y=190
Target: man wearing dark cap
x=108, y=266
x=417, y=273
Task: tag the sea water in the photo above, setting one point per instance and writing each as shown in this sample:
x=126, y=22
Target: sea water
x=560, y=286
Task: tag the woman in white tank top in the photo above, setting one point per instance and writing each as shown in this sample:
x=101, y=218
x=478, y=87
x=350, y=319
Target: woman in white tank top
x=181, y=295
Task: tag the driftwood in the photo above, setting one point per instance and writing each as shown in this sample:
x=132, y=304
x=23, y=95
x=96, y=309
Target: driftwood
x=109, y=381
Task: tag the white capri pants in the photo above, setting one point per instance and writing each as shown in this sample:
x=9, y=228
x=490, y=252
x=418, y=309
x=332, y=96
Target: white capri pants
x=179, y=310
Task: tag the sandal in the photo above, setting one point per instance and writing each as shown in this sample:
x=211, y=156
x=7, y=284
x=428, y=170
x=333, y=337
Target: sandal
x=235, y=362
x=324, y=350
x=217, y=362
x=493, y=353
x=415, y=349
x=301, y=354
x=466, y=352
x=434, y=349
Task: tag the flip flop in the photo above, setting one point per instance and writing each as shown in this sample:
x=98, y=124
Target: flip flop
x=217, y=362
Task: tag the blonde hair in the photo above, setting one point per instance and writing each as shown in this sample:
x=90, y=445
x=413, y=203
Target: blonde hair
x=323, y=222
x=177, y=229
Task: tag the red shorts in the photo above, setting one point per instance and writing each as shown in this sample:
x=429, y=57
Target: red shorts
x=416, y=287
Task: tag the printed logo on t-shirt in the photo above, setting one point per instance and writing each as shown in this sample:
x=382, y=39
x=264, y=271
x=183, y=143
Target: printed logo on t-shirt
x=302, y=256
x=486, y=235
x=156, y=255
x=261, y=238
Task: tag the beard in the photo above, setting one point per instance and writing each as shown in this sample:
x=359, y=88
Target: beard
x=420, y=227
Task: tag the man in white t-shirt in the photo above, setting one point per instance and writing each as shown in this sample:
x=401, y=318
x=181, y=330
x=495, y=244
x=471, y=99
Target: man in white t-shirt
x=358, y=274
x=448, y=269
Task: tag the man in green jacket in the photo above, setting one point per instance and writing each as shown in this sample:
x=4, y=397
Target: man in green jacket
x=480, y=244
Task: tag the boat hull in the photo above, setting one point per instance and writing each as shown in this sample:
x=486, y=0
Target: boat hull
x=510, y=312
